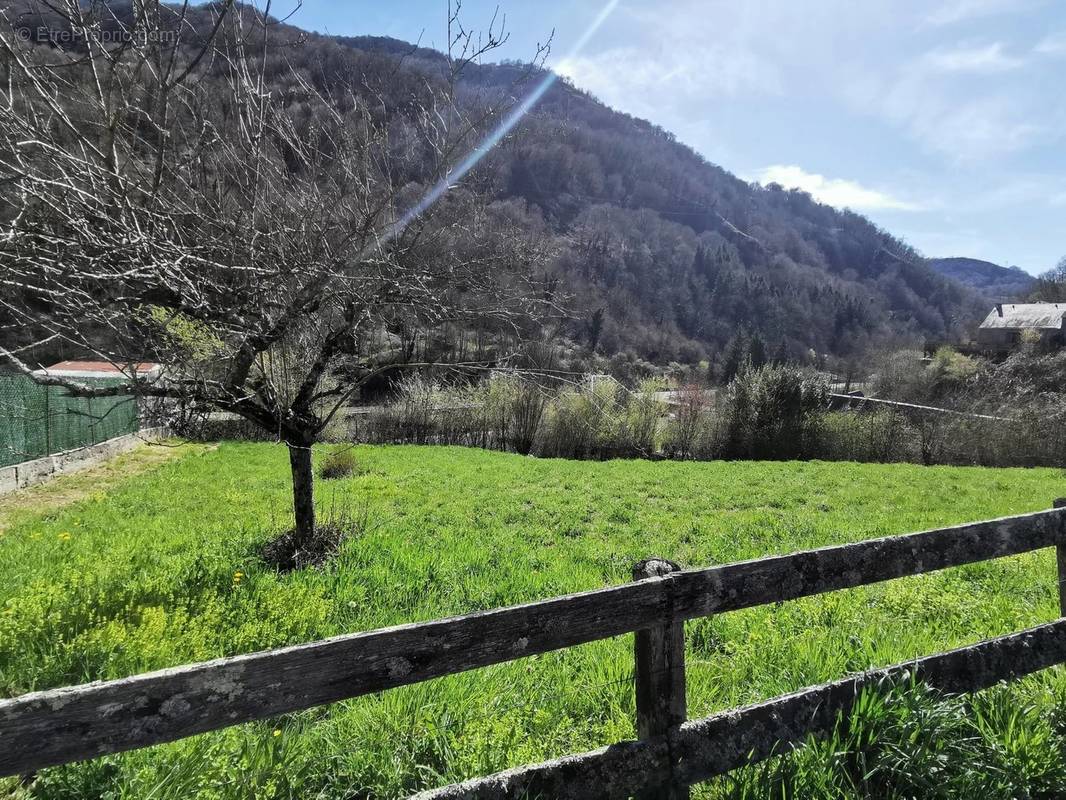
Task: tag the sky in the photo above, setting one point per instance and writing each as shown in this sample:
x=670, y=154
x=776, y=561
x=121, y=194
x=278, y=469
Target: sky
x=944, y=121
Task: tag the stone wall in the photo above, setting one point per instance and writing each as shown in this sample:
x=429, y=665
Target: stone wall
x=31, y=473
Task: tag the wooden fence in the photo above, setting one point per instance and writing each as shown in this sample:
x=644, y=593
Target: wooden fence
x=847, y=401
x=58, y=726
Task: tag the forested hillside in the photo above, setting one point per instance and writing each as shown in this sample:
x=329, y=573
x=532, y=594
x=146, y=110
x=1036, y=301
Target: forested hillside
x=652, y=249
x=671, y=255
x=992, y=280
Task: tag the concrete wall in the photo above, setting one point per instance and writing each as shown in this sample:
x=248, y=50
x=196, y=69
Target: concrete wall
x=31, y=473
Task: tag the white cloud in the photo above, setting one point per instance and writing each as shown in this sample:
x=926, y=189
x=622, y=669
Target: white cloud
x=676, y=55
x=1052, y=45
x=836, y=192
x=986, y=59
x=620, y=74
x=967, y=117
x=956, y=11
x=970, y=131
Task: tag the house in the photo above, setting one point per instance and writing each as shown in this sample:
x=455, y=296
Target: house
x=80, y=370
x=106, y=373
x=1003, y=328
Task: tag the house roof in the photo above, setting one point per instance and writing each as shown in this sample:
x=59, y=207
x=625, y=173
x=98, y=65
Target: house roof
x=1026, y=315
x=98, y=369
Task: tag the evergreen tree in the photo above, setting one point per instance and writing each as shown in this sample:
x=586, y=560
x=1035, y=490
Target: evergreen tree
x=736, y=357
x=757, y=351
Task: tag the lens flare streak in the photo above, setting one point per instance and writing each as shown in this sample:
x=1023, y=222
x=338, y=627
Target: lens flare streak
x=506, y=126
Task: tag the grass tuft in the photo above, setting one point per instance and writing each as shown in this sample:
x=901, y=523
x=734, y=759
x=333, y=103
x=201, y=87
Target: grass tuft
x=338, y=464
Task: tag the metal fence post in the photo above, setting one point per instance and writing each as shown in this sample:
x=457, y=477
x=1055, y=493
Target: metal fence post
x=660, y=677
x=1060, y=554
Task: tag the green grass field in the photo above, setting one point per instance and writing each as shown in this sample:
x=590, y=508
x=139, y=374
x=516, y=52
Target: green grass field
x=163, y=570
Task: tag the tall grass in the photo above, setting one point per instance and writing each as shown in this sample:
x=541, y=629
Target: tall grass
x=146, y=577
x=770, y=413
x=907, y=741
x=588, y=420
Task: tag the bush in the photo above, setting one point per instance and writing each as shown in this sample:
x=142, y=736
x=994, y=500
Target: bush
x=636, y=421
x=773, y=413
x=338, y=464
x=693, y=430
x=875, y=436
x=577, y=421
x=426, y=412
x=907, y=377
x=511, y=410
x=602, y=419
x=1012, y=414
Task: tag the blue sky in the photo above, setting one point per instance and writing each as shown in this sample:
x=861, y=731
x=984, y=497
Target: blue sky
x=942, y=120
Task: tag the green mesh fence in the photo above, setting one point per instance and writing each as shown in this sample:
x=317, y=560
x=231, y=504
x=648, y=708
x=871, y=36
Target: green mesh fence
x=39, y=420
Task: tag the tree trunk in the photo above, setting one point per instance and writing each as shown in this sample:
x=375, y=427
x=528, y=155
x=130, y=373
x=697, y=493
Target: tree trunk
x=303, y=492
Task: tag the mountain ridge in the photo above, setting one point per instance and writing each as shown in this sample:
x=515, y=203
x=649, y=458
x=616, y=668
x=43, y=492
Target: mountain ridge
x=661, y=253
x=742, y=269
x=992, y=280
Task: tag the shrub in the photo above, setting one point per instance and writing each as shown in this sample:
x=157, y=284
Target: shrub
x=773, y=412
x=875, y=436
x=635, y=422
x=413, y=414
x=688, y=425
x=511, y=411
x=578, y=421
x=338, y=464
x=426, y=412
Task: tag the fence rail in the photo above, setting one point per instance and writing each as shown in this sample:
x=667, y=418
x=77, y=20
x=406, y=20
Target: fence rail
x=701, y=749
x=858, y=401
x=58, y=726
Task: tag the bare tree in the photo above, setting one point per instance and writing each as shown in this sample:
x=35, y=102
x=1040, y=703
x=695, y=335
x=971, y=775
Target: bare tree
x=1051, y=286
x=176, y=188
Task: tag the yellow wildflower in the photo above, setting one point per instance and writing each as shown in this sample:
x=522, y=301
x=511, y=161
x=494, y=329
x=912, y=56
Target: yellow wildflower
x=277, y=732
x=64, y=536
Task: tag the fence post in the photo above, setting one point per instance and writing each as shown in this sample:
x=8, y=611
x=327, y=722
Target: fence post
x=660, y=677
x=47, y=422
x=1060, y=553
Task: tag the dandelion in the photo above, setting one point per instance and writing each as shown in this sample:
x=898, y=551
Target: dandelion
x=277, y=732
x=64, y=536
x=237, y=576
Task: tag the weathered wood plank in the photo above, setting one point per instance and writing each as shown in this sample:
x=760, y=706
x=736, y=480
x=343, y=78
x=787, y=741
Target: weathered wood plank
x=723, y=742
x=61, y=725
x=659, y=656
x=1060, y=559
x=659, y=677
x=726, y=741
x=58, y=726
x=701, y=593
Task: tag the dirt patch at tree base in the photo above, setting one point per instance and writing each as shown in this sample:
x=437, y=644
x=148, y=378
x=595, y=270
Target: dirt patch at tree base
x=286, y=555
